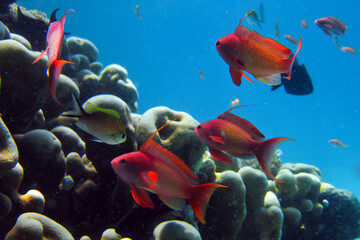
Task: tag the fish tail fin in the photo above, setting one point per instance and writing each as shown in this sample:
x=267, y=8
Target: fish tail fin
x=199, y=199
x=292, y=60
x=41, y=55
x=264, y=152
x=54, y=72
x=78, y=110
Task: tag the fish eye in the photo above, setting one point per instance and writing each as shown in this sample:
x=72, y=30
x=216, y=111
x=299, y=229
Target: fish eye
x=199, y=127
x=123, y=136
x=122, y=161
x=217, y=44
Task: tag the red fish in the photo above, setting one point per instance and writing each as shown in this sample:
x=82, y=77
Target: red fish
x=331, y=25
x=238, y=137
x=157, y=170
x=54, y=38
x=348, y=50
x=337, y=143
x=263, y=57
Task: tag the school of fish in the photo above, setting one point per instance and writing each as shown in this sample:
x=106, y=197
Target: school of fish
x=154, y=169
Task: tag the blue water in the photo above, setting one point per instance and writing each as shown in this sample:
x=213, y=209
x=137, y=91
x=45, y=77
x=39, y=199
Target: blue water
x=164, y=51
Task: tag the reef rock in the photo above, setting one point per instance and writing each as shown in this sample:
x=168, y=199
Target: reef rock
x=82, y=46
x=264, y=217
x=12, y=203
x=22, y=77
x=227, y=208
x=40, y=154
x=176, y=230
x=70, y=140
x=35, y=226
x=112, y=80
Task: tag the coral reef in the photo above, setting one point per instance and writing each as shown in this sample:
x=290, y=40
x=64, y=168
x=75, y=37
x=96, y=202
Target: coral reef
x=12, y=203
x=50, y=169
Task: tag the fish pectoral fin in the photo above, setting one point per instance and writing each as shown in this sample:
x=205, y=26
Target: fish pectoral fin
x=176, y=203
x=150, y=178
x=141, y=197
x=274, y=79
x=153, y=176
x=236, y=76
x=216, y=140
x=219, y=155
x=96, y=140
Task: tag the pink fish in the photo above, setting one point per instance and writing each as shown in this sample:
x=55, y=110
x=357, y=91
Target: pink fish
x=331, y=25
x=157, y=170
x=337, y=143
x=348, y=50
x=54, y=38
x=238, y=137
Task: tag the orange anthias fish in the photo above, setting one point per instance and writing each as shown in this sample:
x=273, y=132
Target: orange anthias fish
x=238, y=137
x=263, y=57
x=337, y=143
x=157, y=170
x=54, y=38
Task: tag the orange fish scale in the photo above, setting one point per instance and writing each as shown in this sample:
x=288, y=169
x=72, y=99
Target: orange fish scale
x=234, y=138
x=259, y=61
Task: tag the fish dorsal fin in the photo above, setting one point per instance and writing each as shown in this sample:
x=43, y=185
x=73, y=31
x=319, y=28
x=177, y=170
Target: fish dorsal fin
x=91, y=108
x=267, y=43
x=243, y=123
x=155, y=149
x=141, y=197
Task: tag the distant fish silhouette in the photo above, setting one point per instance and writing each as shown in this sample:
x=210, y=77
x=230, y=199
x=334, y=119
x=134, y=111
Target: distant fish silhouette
x=300, y=82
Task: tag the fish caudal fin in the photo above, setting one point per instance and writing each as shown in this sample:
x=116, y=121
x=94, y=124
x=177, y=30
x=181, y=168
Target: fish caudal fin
x=264, y=152
x=292, y=60
x=54, y=72
x=199, y=199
